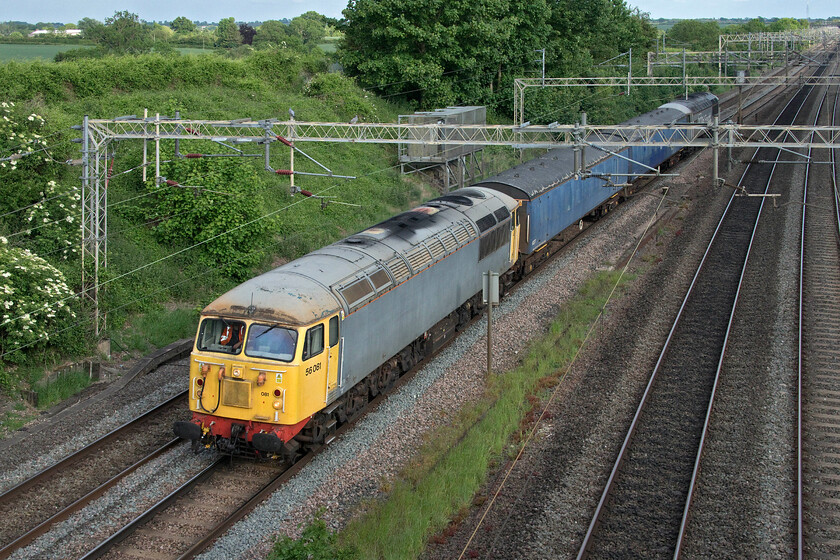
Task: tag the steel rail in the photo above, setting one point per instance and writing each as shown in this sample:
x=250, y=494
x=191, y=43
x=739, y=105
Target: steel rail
x=48, y=524
x=127, y=530
x=707, y=422
x=588, y=538
x=800, y=492
x=84, y=452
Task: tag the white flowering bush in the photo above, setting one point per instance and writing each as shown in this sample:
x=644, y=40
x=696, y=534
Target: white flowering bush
x=36, y=305
x=54, y=222
x=42, y=212
x=21, y=145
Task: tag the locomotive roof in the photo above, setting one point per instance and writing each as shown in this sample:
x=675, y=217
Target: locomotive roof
x=350, y=272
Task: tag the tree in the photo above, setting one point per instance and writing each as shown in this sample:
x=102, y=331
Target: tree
x=86, y=23
x=161, y=33
x=227, y=33
x=788, y=24
x=695, y=35
x=271, y=31
x=310, y=27
x=122, y=33
x=438, y=52
x=182, y=25
x=247, y=33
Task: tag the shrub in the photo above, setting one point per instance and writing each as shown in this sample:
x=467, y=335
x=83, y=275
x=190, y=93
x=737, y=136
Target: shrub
x=316, y=542
x=210, y=202
x=343, y=94
x=35, y=300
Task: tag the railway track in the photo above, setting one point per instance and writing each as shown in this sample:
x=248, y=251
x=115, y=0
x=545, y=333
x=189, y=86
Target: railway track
x=191, y=517
x=818, y=488
x=644, y=507
x=34, y=506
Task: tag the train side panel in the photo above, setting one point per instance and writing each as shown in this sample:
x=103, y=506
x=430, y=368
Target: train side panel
x=380, y=329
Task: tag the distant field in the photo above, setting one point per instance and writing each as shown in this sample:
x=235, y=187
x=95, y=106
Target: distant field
x=193, y=50
x=329, y=45
x=32, y=52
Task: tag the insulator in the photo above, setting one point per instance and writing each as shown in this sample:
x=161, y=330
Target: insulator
x=285, y=172
x=193, y=156
x=306, y=193
x=287, y=142
x=172, y=183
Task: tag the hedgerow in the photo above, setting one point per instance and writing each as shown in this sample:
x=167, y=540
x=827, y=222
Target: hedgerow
x=92, y=77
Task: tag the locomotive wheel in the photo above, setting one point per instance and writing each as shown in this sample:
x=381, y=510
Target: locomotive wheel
x=356, y=401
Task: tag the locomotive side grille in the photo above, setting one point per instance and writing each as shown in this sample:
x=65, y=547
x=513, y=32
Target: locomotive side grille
x=419, y=258
x=236, y=393
x=436, y=248
x=470, y=228
x=450, y=242
x=462, y=234
x=380, y=278
x=398, y=269
x=357, y=291
x=486, y=222
x=502, y=214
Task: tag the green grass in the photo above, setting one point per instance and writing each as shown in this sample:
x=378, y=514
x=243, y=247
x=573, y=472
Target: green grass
x=32, y=52
x=62, y=387
x=12, y=420
x=451, y=468
x=155, y=329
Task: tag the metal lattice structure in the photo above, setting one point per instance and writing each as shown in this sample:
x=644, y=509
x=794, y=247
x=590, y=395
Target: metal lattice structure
x=685, y=82
x=729, y=59
x=94, y=218
x=254, y=139
x=768, y=44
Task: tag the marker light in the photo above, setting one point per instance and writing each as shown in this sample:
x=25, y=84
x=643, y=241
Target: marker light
x=237, y=372
x=221, y=373
x=277, y=392
x=199, y=381
x=261, y=379
x=205, y=369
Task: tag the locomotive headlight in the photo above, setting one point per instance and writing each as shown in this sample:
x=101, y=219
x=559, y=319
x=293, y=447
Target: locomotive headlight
x=278, y=405
x=221, y=373
x=261, y=379
x=237, y=371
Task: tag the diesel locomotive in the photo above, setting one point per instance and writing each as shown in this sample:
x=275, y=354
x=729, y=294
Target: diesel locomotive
x=284, y=358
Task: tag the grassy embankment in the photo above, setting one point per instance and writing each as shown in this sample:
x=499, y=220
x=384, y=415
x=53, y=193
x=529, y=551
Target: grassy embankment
x=152, y=305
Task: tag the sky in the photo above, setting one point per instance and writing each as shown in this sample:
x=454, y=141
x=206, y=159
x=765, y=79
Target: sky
x=71, y=11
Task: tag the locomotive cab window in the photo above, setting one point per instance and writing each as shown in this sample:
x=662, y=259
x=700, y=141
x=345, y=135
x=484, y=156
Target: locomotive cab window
x=221, y=335
x=333, y=331
x=313, y=343
x=271, y=341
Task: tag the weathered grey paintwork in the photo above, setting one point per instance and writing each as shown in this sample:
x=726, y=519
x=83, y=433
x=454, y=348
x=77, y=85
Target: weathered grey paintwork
x=418, y=267
x=552, y=199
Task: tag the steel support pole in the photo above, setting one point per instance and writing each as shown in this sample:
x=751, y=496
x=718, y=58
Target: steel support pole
x=715, y=152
